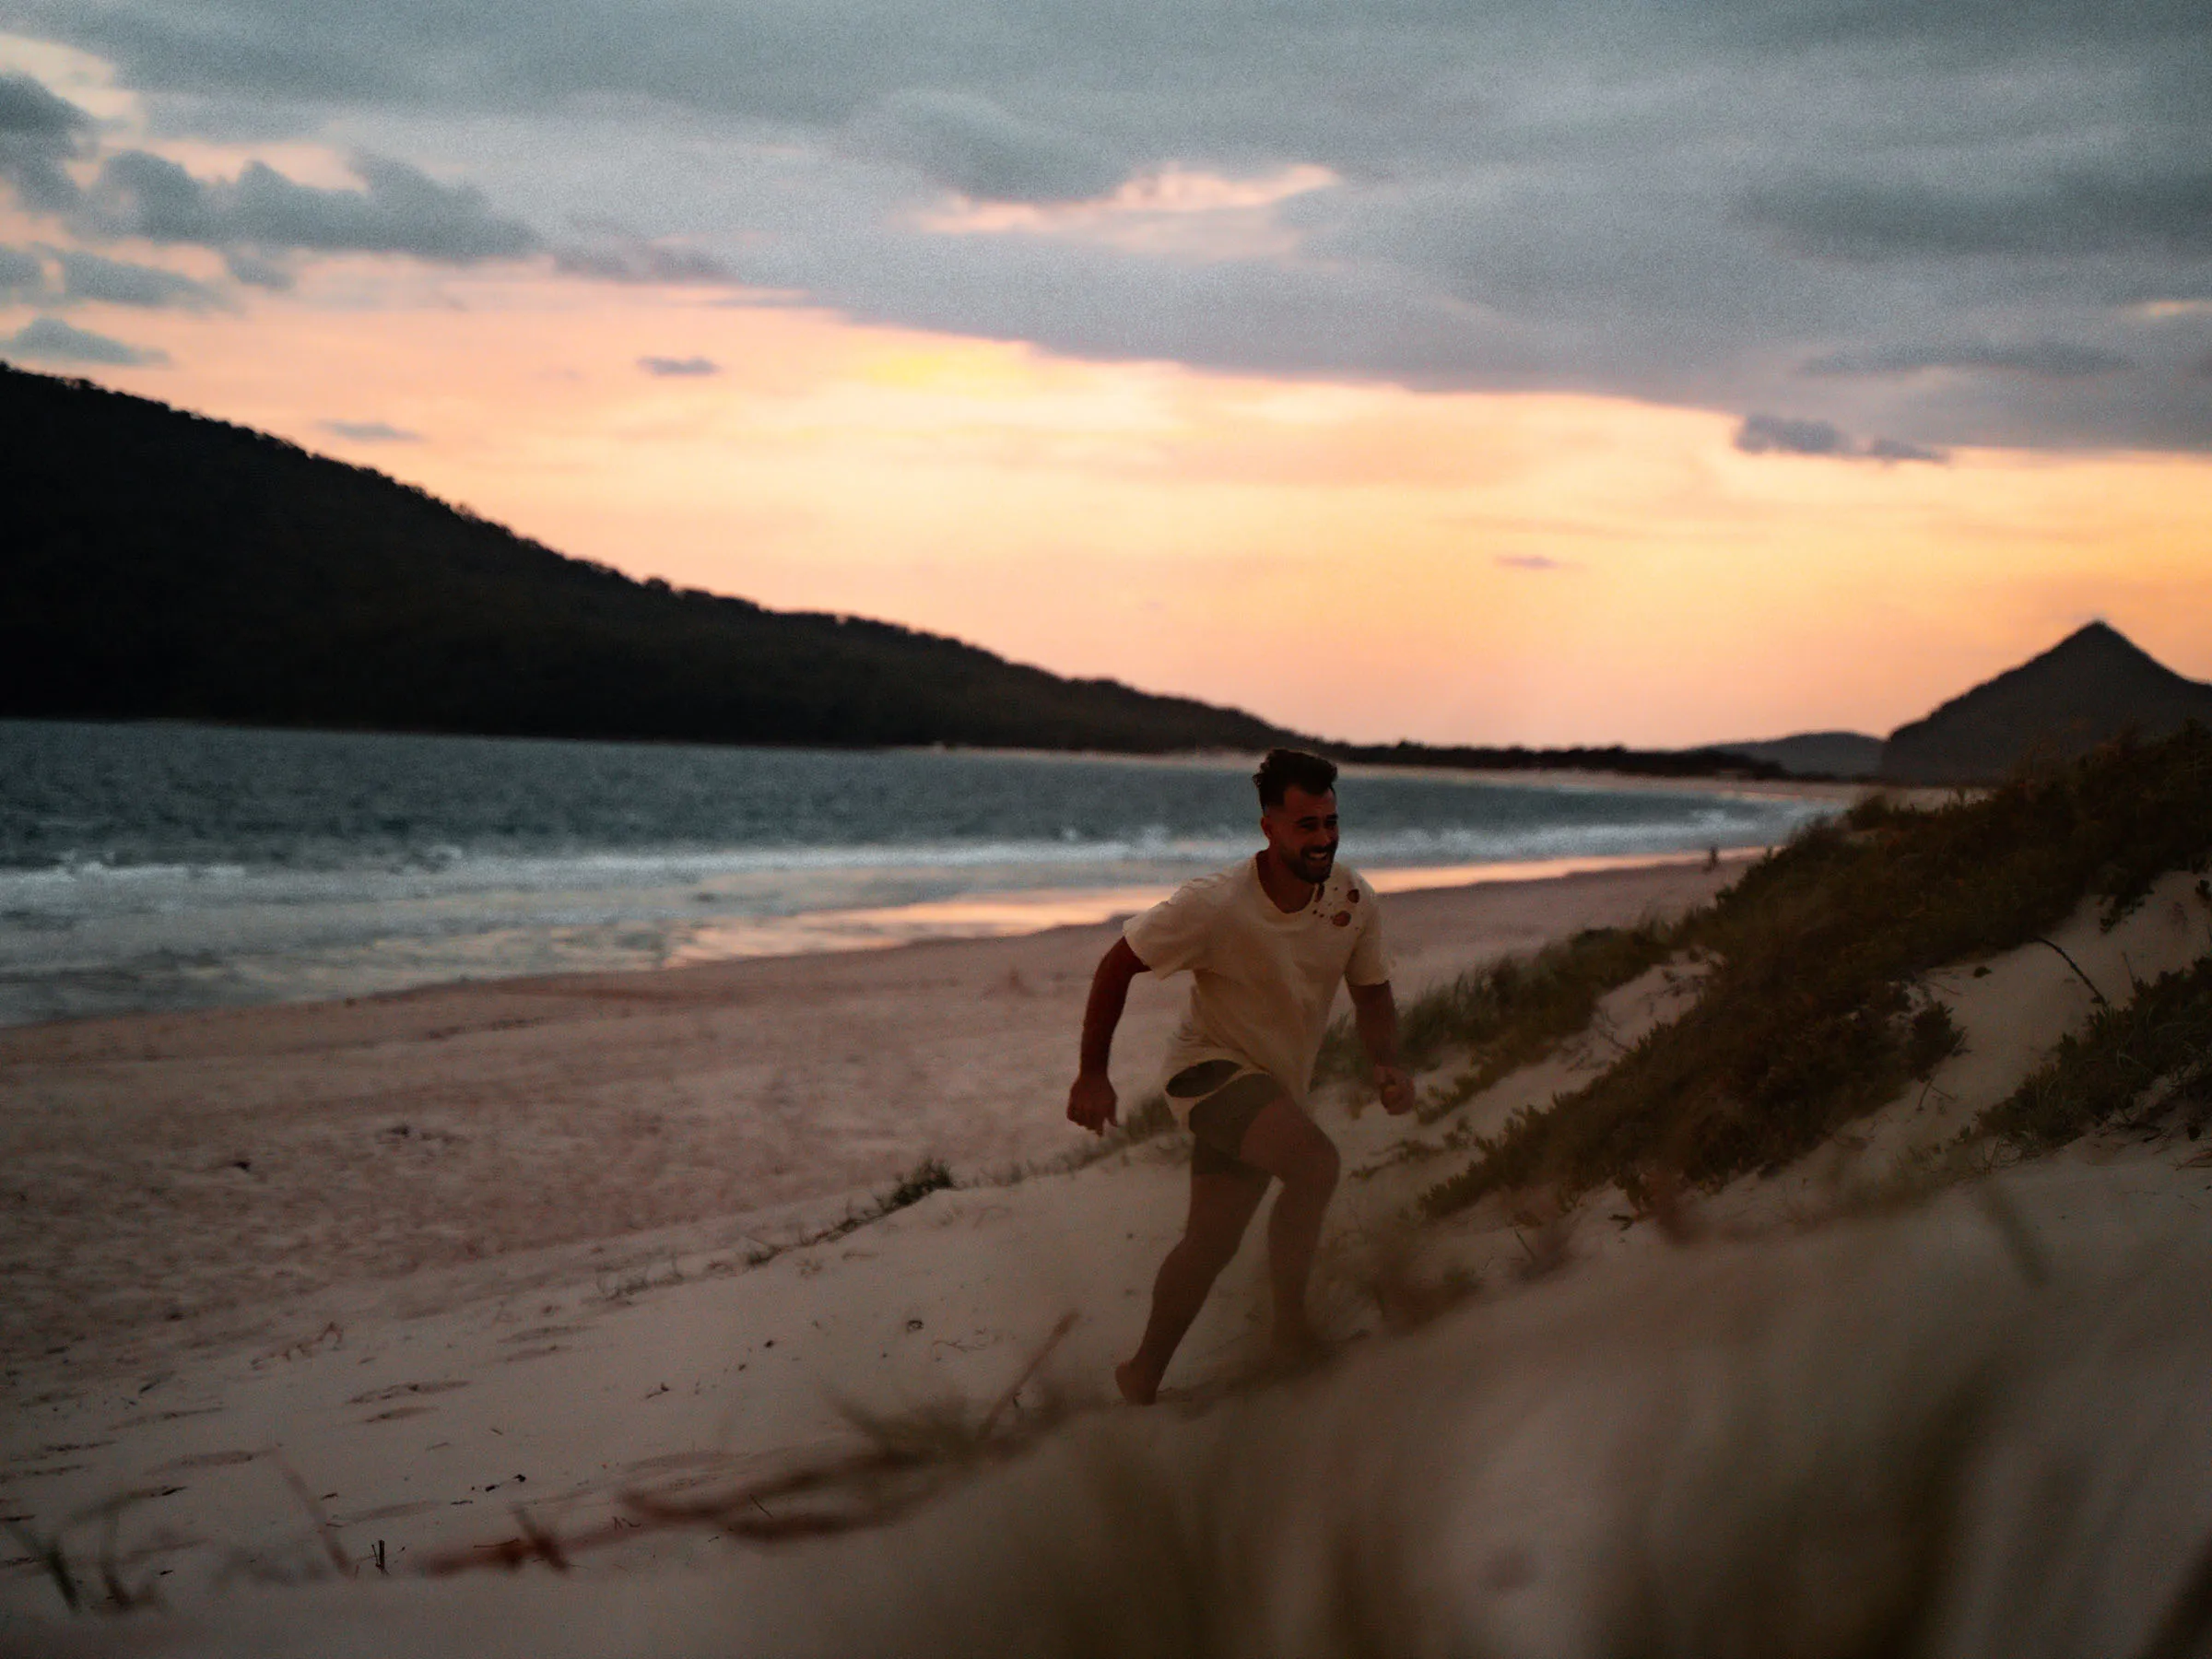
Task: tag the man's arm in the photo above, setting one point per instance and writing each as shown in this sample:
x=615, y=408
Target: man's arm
x=1375, y=1013
x=1091, y=1102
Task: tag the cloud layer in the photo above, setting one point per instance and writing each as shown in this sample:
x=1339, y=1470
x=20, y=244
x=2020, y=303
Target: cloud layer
x=398, y=210
x=370, y=431
x=51, y=341
x=87, y=276
x=1956, y=225
x=1780, y=435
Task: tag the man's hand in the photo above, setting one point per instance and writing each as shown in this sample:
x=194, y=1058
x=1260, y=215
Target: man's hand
x=1091, y=1102
x=1375, y=1014
x=1395, y=1088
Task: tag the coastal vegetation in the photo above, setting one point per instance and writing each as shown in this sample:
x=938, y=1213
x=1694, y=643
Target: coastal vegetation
x=1509, y=1013
x=2149, y=1056
x=1815, y=1009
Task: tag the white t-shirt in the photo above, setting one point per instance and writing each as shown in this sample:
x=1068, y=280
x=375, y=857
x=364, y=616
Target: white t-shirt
x=1262, y=979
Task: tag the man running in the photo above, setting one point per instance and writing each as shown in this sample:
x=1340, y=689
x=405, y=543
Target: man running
x=1265, y=941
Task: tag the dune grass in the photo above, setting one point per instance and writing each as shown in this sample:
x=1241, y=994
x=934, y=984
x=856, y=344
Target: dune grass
x=1812, y=1015
x=928, y=1176
x=1508, y=1014
x=2152, y=1054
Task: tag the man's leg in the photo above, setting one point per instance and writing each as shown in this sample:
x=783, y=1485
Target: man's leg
x=1222, y=1202
x=1285, y=1143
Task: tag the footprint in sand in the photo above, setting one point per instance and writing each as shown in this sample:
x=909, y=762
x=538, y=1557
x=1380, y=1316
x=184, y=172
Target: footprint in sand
x=535, y=1353
x=689, y=1463
x=206, y=1460
x=542, y=1334
x=165, y=1416
x=390, y=1512
x=377, y=1397
x=400, y=1411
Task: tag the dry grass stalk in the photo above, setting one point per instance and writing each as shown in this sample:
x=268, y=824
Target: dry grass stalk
x=904, y=1463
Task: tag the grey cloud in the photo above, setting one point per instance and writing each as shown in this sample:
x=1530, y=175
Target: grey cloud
x=1688, y=205
x=679, y=367
x=21, y=272
x=370, y=431
x=812, y=61
x=51, y=341
x=2071, y=213
x=642, y=261
x=1896, y=449
x=1776, y=434
x=2051, y=359
x=1249, y=314
x=399, y=209
x=39, y=130
x=1527, y=561
x=28, y=108
x=255, y=271
x=971, y=145
x=1782, y=435
x=117, y=282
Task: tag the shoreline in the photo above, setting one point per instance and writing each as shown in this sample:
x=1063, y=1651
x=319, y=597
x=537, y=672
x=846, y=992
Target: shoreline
x=1420, y=881
x=986, y=913
x=1845, y=790
x=1702, y=783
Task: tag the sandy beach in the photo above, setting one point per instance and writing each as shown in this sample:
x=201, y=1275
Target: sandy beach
x=361, y=1283
x=215, y=1166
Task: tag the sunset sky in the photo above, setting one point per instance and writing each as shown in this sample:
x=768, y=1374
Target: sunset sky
x=1581, y=371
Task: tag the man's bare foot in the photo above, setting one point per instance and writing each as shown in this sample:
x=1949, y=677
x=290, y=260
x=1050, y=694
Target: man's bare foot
x=1139, y=1386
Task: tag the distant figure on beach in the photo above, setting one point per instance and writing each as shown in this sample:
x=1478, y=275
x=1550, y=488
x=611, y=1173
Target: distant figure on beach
x=1265, y=942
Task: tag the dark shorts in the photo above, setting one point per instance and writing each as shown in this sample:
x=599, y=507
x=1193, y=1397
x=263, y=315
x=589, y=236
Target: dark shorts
x=1229, y=1097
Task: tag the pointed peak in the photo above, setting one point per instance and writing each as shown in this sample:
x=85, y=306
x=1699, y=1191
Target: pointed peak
x=2096, y=640
x=2094, y=684
x=2096, y=647
x=2102, y=632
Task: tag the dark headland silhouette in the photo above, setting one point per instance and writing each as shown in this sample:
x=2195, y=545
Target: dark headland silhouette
x=158, y=564
x=1816, y=754
x=2091, y=687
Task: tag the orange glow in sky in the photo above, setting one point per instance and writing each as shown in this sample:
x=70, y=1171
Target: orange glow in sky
x=1357, y=560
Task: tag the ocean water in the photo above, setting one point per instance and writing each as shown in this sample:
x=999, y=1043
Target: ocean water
x=171, y=865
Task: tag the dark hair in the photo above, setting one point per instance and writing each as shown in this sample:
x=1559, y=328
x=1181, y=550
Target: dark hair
x=1285, y=766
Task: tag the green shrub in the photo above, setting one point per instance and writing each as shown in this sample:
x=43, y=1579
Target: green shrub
x=928, y=1176
x=1509, y=1013
x=1810, y=1016
x=2161, y=1040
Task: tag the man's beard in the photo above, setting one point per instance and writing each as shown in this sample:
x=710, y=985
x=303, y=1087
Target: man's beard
x=1315, y=866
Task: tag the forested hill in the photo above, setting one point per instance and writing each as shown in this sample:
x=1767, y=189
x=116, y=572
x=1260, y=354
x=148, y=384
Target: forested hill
x=158, y=563
x=2093, y=685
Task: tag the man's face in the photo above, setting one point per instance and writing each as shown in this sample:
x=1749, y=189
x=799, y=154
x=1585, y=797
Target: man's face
x=1302, y=832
